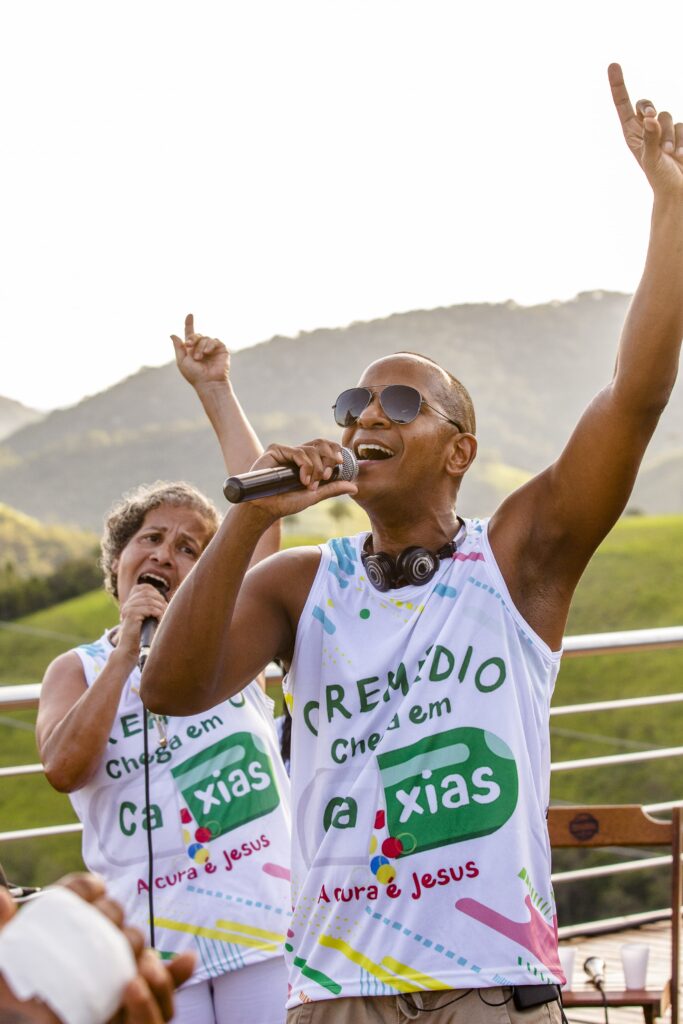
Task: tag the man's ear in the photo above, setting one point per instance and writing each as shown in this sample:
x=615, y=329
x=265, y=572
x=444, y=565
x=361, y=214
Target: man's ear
x=461, y=455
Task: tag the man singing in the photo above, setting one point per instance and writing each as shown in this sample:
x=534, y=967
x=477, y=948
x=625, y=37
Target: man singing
x=421, y=662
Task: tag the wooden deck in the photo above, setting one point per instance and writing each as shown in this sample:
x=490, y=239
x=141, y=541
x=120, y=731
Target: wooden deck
x=658, y=938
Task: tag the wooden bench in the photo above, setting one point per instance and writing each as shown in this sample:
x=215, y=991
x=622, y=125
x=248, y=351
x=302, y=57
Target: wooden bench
x=627, y=825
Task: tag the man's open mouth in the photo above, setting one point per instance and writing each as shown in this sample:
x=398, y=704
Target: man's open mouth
x=373, y=452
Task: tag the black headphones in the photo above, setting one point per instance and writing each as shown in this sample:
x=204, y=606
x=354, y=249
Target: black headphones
x=414, y=565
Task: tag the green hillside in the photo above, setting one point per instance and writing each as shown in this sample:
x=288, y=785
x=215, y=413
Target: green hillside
x=635, y=581
x=30, y=547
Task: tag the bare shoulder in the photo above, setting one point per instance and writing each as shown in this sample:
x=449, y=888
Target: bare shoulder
x=270, y=604
x=65, y=667
x=63, y=684
x=286, y=577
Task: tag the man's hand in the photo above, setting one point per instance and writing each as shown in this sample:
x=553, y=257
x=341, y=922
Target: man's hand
x=316, y=462
x=201, y=360
x=655, y=141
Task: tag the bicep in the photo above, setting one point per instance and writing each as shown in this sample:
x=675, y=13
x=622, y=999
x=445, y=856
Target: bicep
x=585, y=491
x=545, y=533
x=266, y=614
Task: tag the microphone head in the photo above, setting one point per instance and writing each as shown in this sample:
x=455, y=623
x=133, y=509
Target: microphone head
x=594, y=966
x=348, y=469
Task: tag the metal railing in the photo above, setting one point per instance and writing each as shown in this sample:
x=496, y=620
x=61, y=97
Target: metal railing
x=26, y=696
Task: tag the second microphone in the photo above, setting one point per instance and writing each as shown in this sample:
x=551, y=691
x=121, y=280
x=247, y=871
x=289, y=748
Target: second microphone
x=264, y=483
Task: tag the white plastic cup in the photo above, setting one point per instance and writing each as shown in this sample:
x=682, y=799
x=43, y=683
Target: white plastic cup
x=634, y=956
x=567, y=957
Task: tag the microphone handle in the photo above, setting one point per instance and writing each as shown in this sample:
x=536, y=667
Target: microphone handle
x=262, y=483
x=149, y=627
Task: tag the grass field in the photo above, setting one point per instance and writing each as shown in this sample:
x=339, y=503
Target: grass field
x=635, y=581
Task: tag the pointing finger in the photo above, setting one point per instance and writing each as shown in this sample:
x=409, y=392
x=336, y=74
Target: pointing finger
x=189, y=326
x=620, y=94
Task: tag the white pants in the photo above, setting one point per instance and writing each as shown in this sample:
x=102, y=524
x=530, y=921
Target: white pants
x=250, y=995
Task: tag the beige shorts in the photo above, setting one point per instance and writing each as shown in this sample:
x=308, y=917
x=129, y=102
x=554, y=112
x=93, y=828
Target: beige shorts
x=476, y=1006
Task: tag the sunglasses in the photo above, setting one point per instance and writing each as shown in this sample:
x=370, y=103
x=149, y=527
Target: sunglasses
x=400, y=402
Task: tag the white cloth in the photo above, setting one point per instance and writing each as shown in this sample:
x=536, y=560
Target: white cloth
x=61, y=950
x=421, y=857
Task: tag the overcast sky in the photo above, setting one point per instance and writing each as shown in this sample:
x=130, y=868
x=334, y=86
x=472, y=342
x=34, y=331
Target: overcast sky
x=281, y=165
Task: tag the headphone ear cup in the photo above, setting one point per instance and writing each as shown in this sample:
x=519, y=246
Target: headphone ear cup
x=380, y=569
x=417, y=565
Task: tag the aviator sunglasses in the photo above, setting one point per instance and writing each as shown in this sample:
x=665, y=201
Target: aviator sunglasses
x=400, y=402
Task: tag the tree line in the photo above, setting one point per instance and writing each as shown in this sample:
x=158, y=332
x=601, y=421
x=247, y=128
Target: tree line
x=21, y=595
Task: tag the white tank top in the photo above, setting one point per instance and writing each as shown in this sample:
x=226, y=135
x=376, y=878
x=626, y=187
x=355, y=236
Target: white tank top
x=220, y=826
x=420, y=780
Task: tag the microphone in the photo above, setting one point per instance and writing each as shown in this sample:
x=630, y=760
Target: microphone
x=594, y=966
x=149, y=627
x=264, y=483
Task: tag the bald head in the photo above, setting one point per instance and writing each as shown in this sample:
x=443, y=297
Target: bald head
x=445, y=390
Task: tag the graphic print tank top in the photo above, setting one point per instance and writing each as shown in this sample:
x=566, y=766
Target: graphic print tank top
x=420, y=780
x=220, y=825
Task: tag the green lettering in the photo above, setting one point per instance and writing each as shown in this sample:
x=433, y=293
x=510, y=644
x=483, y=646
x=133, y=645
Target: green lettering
x=398, y=680
x=436, y=672
x=312, y=705
x=154, y=820
x=436, y=706
x=131, y=724
x=341, y=757
x=129, y=827
x=465, y=664
x=365, y=696
x=335, y=695
x=211, y=723
x=499, y=665
x=341, y=812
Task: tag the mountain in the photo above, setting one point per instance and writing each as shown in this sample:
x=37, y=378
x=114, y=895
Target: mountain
x=14, y=415
x=531, y=372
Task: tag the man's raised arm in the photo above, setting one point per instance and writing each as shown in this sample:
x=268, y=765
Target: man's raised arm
x=222, y=626
x=545, y=533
